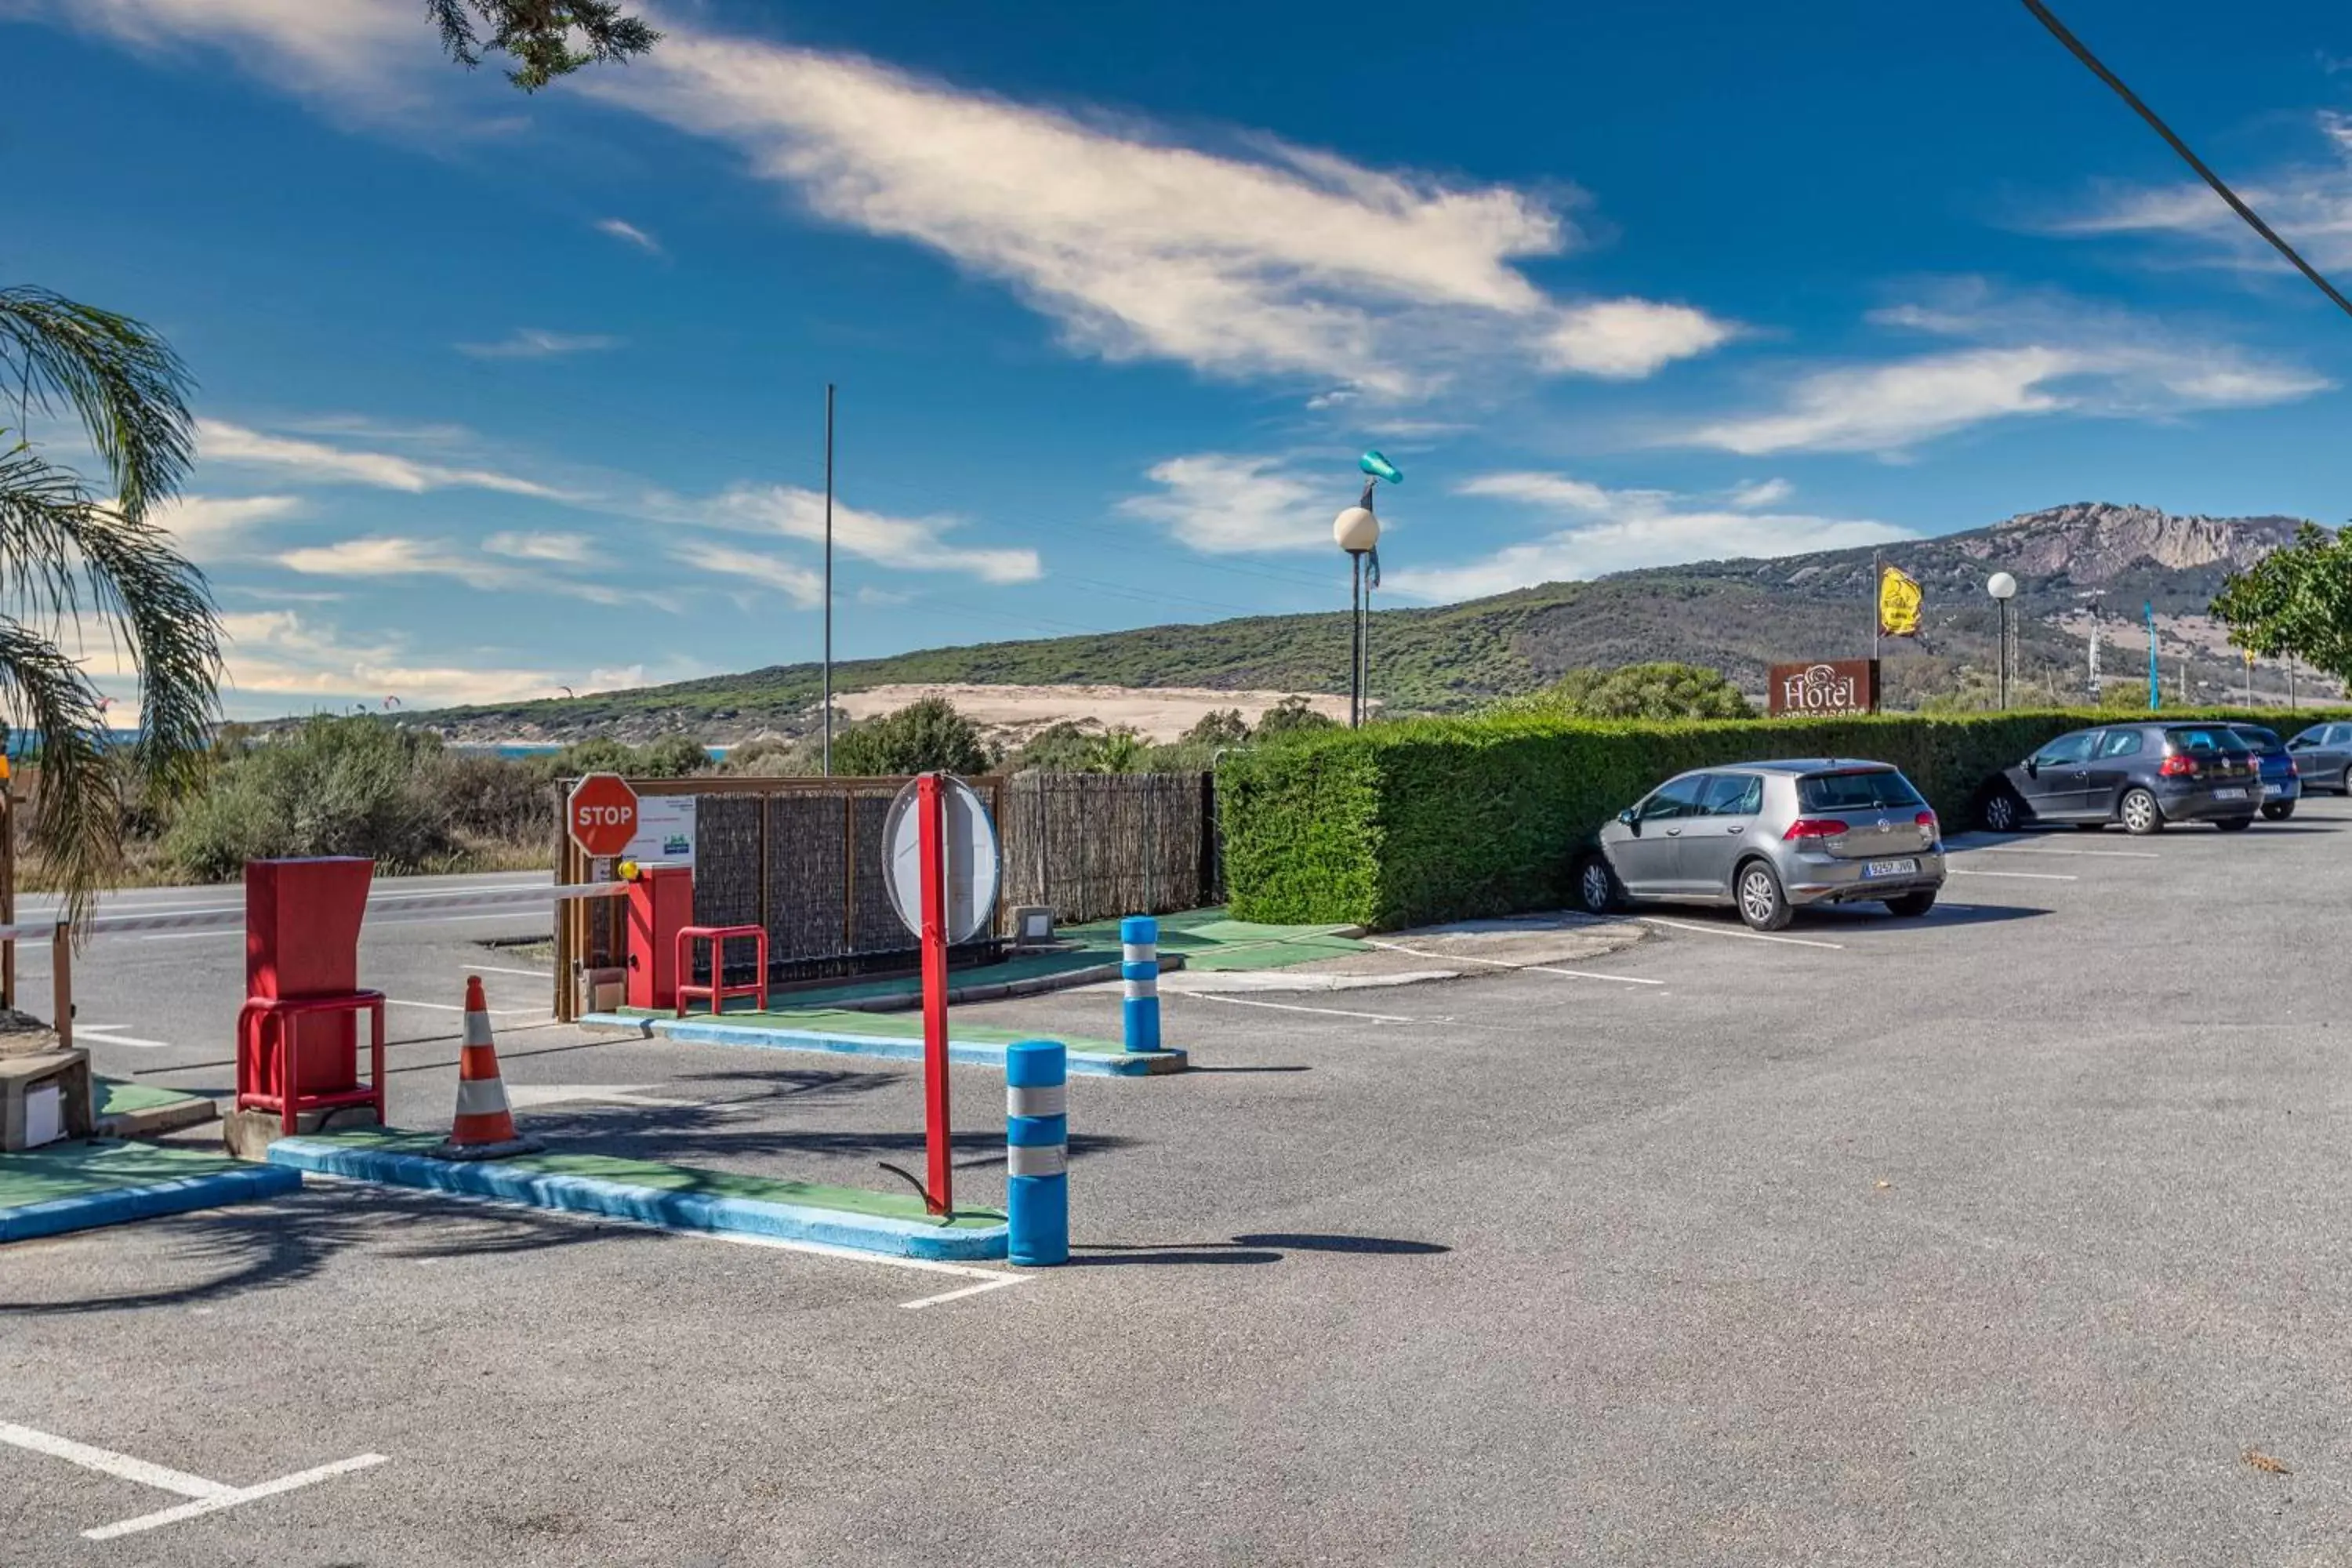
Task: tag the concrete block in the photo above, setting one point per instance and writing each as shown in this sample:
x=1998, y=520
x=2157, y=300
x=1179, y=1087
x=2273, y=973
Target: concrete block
x=247, y=1134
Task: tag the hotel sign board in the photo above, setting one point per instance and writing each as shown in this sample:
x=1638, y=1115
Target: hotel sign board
x=1823, y=689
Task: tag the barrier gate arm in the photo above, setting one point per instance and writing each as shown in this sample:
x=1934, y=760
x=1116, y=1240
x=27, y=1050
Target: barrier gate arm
x=59, y=934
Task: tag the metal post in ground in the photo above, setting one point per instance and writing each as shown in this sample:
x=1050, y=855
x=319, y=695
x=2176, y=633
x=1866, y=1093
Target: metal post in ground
x=1038, y=1153
x=1138, y=972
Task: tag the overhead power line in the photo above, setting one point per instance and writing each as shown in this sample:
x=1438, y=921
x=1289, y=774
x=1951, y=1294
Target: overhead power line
x=2221, y=187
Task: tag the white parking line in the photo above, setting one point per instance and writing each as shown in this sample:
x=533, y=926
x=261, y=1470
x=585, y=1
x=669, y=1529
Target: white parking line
x=1506, y=963
x=206, y=1497
x=243, y=1494
x=2038, y=849
x=1750, y=935
x=111, y=1035
x=2020, y=876
x=494, y=969
x=1292, y=1007
x=999, y=1283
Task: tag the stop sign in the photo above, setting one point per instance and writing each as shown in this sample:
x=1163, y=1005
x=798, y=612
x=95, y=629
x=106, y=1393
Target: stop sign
x=602, y=813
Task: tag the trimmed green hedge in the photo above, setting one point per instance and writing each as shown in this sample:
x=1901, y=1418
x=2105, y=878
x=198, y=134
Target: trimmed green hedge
x=1401, y=825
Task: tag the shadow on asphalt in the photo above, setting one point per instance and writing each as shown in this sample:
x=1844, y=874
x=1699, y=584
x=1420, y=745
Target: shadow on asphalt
x=1196, y=1066
x=255, y=1247
x=1269, y=1248
x=691, y=1135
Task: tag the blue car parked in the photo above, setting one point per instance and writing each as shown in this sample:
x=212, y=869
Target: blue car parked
x=2281, y=779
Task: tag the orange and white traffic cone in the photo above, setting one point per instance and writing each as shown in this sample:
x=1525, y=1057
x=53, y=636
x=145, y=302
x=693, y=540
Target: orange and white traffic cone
x=484, y=1129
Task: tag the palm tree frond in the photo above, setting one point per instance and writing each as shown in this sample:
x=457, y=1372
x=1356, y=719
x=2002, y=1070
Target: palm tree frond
x=77, y=813
x=123, y=382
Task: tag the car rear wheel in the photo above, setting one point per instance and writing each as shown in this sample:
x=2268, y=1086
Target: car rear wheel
x=1999, y=811
x=2140, y=813
x=1762, y=904
x=2234, y=824
x=1911, y=905
x=2278, y=810
x=1597, y=888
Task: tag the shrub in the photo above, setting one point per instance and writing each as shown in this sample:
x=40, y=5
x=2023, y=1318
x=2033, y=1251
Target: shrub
x=1403, y=824
x=928, y=736
x=333, y=786
x=1659, y=690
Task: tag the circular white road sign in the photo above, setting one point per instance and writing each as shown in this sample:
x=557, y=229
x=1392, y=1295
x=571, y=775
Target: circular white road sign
x=974, y=858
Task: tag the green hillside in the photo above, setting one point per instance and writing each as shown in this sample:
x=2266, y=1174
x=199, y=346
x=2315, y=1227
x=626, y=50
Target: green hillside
x=1735, y=615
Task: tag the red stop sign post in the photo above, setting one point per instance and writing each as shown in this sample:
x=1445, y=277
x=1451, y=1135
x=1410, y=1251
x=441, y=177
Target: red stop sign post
x=602, y=814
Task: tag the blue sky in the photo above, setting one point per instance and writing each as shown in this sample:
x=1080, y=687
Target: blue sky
x=504, y=394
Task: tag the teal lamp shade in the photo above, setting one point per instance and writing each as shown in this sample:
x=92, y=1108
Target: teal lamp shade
x=1380, y=468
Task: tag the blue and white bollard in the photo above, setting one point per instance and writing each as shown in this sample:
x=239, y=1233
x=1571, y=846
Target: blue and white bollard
x=1037, y=1153
x=1139, y=952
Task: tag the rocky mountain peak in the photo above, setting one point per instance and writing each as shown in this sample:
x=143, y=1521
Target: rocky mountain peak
x=2093, y=541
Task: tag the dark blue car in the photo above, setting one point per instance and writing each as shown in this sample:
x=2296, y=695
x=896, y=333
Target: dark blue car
x=2144, y=774
x=2281, y=779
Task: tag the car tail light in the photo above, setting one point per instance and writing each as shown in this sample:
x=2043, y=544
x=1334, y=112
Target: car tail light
x=2292, y=771
x=1927, y=821
x=2179, y=766
x=1813, y=827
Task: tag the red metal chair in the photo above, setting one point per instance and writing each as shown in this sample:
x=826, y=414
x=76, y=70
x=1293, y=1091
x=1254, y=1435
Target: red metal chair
x=718, y=991
x=266, y=1021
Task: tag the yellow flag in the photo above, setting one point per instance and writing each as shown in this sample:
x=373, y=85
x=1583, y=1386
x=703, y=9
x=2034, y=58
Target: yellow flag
x=1898, y=603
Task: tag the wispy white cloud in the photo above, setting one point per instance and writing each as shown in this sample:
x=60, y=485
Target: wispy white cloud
x=563, y=549
x=207, y=526
x=278, y=653
x=1603, y=531
x=1625, y=340
x=218, y=441
x=2309, y=203
x=750, y=567
x=2031, y=354
x=1226, y=504
x=902, y=543
x=536, y=343
x=1761, y=493
x=1256, y=259
x=629, y=234
x=397, y=555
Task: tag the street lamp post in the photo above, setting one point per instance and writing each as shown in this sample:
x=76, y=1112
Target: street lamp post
x=1358, y=531
x=2003, y=588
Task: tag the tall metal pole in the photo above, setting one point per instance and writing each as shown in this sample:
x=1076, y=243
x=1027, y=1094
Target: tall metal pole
x=2094, y=650
x=1355, y=640
x=2155, y=685
x=828, y=580
x=1877, y=580
x=2004, y=655
x=1364, y=647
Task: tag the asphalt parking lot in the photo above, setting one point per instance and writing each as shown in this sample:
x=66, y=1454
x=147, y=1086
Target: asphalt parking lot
x=2004, y=1235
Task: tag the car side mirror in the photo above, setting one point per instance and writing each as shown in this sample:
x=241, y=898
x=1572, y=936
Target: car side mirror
x=2033, y=767
x=1631, y=818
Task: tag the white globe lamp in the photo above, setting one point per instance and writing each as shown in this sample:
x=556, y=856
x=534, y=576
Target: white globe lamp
x=1356, y=529
x=2003, y=588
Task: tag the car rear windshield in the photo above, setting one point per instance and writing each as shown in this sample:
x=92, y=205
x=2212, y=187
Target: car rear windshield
x=2259, y=738
x=2214, y=738
x=1856, y=791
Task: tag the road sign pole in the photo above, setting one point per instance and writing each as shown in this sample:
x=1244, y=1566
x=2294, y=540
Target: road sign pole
x=929, y=808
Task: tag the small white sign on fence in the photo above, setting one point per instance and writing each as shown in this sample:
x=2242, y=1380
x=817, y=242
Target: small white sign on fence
x=664, y=830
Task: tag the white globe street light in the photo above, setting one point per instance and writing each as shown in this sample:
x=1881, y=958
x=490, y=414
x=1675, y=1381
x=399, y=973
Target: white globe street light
x=2003, y=588
x=1358, y=531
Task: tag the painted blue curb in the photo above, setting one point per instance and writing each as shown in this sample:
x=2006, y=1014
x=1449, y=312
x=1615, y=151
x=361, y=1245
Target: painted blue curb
x=179, y=1195
x=646, y=1206
x=704, y=1031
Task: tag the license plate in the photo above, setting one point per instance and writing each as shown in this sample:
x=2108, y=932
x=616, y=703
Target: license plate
x=1890, y=869
x=2229, y=795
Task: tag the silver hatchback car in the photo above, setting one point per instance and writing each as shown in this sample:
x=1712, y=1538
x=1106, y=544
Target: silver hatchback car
x=1770, y=838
